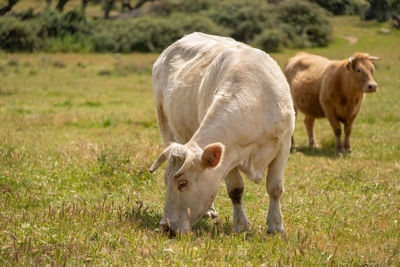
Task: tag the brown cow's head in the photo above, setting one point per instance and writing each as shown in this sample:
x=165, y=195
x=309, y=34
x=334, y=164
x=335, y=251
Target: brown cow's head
x=192, y=183
x=362, y=68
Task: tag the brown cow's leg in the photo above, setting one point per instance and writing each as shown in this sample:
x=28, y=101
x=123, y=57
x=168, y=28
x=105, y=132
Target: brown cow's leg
x=309, y=122
x=337, y=129
x=347, y=132
x=235, y=186
x=292, y=143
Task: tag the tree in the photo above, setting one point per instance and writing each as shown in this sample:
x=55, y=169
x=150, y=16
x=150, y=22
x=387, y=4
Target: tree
x=7, y=8
x=48, y=4
x=125, y=4
x=395, y=13
x=84, y=4
x=61, y=4
x=108, y=6
x=379, y=10
x=140, y=3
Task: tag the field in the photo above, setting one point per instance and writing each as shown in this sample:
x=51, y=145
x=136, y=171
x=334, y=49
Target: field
x=78, y=134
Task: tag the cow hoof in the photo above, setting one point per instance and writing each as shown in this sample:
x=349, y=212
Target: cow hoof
x=313, y=145
x=274, y=229
x=240, y=226
x=211, y=213
x=340, y=150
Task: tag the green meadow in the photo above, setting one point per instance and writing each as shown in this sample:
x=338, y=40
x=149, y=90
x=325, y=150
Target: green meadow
x=78, y=133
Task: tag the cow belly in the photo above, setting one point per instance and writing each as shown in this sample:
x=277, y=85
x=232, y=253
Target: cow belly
x=309, y=104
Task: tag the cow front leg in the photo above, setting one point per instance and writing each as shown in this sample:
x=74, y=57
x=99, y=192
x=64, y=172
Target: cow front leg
x=235, y=187
x=347, y=132
x=212, y=212
x=275, y=189
x=309, y=122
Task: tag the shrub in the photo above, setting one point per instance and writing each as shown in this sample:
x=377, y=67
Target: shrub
x=290, y=24
x=55, y=24
x=245, y=19
x=24, y=15
x=50, y=24
x=168, y=7
x=68, y=43
x=16, y=35
x=378, y=10
x=396, y=21
x=395, y=13
x=342, y=7
x=126, y=35
x=304, y=24
x=148, y=33
x=268, y=40
x=76, y=22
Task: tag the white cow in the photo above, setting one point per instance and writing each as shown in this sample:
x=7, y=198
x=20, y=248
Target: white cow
x=222, y=107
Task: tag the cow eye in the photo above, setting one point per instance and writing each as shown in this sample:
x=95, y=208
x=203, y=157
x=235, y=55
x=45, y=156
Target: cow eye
x=182, y=184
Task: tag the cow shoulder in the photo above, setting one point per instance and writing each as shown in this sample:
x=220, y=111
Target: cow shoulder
x=333, y=84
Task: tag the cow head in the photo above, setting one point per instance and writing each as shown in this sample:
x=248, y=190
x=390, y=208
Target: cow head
x=192, y=183
x=362, y=68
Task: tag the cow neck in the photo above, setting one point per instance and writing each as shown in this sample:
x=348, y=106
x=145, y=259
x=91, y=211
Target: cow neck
x=348, y=87
x=230, y=158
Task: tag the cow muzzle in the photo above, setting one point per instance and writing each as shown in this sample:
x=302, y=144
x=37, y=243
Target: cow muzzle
x=167, y=230
x=172, y=229
x=370, y=87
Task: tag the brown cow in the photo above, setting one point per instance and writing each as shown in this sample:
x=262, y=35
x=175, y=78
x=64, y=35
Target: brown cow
x=330, y=88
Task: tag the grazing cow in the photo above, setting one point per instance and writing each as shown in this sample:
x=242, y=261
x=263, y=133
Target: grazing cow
x=222, y=107
x=330, y=88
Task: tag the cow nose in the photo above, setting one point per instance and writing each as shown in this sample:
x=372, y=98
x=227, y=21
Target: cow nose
x=372, y=87
x=166, y=229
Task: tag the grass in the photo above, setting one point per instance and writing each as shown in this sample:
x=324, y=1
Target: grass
x=78, y=134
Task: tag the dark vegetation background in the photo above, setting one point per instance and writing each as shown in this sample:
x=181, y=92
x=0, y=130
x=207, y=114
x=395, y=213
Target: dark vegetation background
x=150, y=26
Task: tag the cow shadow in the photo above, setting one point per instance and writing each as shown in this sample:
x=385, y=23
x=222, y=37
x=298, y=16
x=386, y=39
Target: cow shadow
x=148, y=219
x=325, y=150
x=213, y=227
x=143, y=216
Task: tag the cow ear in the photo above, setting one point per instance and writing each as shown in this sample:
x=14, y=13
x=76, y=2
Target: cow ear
x=212, y=155
x=350, y=62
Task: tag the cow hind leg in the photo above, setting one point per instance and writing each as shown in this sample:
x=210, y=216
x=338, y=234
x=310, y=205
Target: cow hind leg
x=275, y=189
x=235, y=187
x=309, y=122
